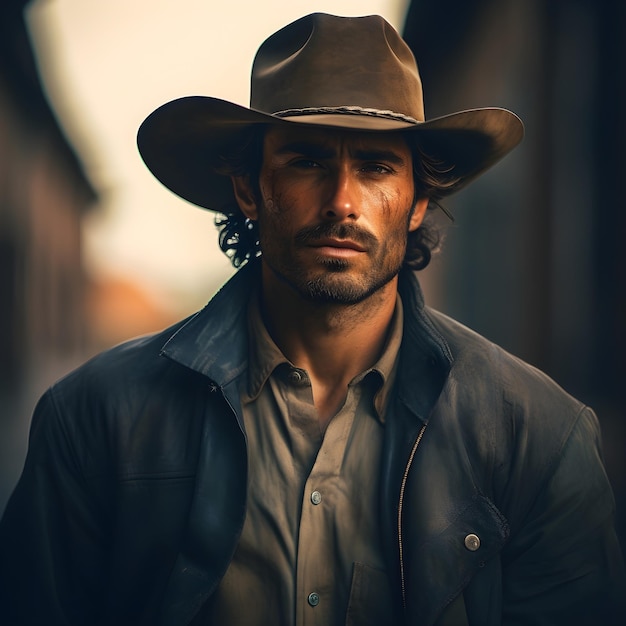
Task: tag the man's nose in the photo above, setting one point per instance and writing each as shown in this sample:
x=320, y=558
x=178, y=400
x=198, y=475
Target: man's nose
x=343, y=197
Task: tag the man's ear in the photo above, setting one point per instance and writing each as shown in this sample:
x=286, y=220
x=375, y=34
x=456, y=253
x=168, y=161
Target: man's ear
x=245, y=196
x=418, y=214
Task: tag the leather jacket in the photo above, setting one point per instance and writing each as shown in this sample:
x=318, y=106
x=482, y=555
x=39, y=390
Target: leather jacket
x=494, y=503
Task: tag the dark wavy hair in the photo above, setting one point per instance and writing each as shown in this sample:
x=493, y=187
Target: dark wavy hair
x=239, y=236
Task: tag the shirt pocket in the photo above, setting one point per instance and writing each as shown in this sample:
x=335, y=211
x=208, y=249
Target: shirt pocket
x=370, y=601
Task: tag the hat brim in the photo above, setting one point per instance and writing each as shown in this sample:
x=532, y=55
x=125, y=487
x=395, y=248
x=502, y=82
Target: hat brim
x=179, y=142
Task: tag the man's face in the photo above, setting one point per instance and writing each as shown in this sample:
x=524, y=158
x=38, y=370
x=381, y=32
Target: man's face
x=334, y=211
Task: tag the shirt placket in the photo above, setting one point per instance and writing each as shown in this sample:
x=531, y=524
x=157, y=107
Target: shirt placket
x=317, y=576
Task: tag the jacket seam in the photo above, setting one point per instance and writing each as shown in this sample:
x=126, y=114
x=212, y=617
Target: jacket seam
x=552, y=464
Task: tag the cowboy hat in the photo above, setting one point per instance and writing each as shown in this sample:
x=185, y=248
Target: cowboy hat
x=321, y=70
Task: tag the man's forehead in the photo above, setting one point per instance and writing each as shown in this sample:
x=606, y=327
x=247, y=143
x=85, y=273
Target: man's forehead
x=297, y=138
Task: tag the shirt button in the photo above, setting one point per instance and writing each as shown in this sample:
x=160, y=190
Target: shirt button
x=313, y=599
x=295, y=377
x=316, y=497
x=472, y=542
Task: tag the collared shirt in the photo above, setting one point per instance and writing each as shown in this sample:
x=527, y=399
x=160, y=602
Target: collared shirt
x=310, y=552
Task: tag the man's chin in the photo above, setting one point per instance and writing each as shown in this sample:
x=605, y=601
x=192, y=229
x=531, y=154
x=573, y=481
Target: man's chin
x=337, y=283
x=340, y=290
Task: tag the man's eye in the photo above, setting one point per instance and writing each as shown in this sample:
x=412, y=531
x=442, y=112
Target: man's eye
x=306, y=164
x=376, y=168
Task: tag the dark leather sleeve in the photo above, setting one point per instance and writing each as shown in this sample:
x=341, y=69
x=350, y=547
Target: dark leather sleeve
x=563, y=565
x=52, y=543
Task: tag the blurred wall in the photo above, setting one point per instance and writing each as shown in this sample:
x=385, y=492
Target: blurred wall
x=535, y=260
x=43, y=194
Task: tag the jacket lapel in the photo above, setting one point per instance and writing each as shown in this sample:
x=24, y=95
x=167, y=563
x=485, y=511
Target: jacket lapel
x=440, y=507
x=213, y=343
x=422, y=370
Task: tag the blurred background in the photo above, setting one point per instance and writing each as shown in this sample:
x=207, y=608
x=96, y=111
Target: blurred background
x=93, y=250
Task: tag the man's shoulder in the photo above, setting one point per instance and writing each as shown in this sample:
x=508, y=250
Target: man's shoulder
x=126, y=374
x=509, y=411
x=133, y=357
x=171, y=366
x=483, y=364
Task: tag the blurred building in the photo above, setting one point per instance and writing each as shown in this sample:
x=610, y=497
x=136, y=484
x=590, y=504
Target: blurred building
x=43, y=194
x=536, y=258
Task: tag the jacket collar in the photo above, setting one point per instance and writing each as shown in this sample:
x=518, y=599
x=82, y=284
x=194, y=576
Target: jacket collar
x=425, y=357
x=214, y=342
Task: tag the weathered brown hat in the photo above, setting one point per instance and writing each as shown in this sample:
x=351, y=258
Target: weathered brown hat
x=321, y=70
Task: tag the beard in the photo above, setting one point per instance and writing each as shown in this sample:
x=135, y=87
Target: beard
x=332, y=282
x=333, y=288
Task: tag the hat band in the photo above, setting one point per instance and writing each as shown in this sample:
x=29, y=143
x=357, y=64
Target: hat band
x=347, y=110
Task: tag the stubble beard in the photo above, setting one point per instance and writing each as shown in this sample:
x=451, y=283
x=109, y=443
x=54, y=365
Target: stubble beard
x=326, y=289
x=332, y=285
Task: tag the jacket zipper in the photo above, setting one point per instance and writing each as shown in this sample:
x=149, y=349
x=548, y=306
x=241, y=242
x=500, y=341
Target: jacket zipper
x=400, y=507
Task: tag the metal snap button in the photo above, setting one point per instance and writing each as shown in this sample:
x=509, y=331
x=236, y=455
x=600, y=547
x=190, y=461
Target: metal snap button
x=472, y=542
x=313, y=599
x=316, y=497
x=295, y=377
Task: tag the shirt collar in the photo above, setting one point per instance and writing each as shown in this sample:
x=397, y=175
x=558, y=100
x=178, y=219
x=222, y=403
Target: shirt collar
x=265, y=357
x=387, y=364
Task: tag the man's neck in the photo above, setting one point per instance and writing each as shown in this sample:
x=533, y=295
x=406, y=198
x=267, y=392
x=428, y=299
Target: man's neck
x=332, y=342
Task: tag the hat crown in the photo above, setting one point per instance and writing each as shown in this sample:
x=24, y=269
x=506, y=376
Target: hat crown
x=328, y=62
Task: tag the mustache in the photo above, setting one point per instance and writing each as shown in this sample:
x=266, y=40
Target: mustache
x=335, y=231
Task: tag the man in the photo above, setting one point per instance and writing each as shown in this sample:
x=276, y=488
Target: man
x=315, y=446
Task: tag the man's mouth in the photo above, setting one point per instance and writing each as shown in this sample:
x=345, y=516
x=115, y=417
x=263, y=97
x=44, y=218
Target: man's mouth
x=338, y=244
x=339, y=237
